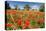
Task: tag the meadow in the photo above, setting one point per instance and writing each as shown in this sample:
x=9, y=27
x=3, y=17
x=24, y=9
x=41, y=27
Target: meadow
x=24, y=19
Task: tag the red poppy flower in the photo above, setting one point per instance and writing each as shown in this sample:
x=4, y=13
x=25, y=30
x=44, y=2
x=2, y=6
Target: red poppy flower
x=19, y=22
x=41, y=20
x=9, y=25
x=27, y=23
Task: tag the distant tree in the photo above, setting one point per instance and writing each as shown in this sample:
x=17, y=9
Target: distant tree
x=19, y=9
x=27, y=7
x=16, y=7
x=42, y=8
x=7, y=5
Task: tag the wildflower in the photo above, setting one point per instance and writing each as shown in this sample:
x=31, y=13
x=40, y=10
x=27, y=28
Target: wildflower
x=9, y=25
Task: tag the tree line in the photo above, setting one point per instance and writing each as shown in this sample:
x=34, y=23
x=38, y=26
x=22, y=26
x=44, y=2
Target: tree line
x=26, y=7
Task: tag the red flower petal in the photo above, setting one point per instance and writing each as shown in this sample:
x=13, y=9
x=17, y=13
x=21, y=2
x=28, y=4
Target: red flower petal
x=27, y=22
x=9, y=25
x=19, y=22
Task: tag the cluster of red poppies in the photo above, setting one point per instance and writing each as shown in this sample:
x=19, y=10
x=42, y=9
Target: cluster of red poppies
x=21, y=20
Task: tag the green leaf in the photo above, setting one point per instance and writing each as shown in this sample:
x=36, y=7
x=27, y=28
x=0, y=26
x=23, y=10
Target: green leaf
x=32, y=22
x=19, y=27
x=41, y=25
x=9, y=28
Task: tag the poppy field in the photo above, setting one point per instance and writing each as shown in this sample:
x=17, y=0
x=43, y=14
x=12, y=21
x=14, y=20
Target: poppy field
x=24, y=15
x=24, y=20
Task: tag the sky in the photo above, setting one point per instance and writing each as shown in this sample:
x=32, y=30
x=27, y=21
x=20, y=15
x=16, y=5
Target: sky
x=33, y=5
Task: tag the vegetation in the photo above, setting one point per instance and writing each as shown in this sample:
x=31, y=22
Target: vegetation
x=27, y=7
x=26, y=19
x=7, y=6
x=42, y=8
